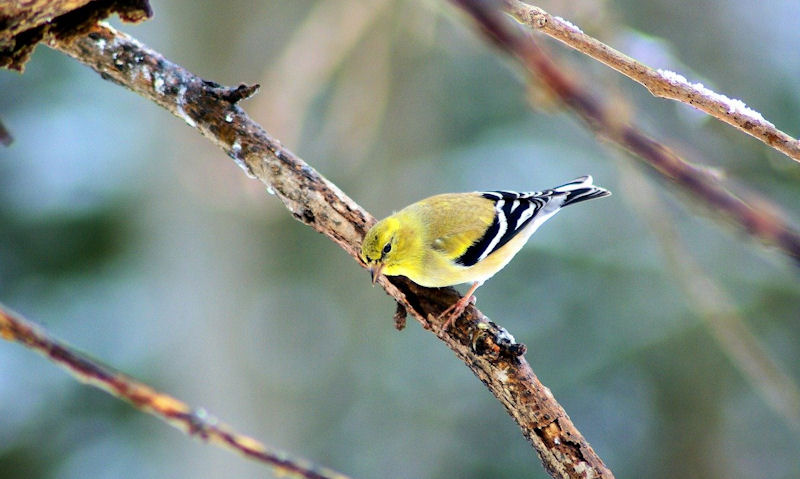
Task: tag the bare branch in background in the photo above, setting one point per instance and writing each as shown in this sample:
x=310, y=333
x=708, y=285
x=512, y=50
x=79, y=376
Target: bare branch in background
x=487, y=349
x=758, y=218
x=660, y=83
x=195, y=422
x=714, y=306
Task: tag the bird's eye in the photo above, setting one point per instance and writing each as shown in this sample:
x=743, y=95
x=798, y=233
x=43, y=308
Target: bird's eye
x=387, y=248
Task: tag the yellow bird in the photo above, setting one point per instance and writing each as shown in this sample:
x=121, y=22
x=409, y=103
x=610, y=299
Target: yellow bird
x=456, y=238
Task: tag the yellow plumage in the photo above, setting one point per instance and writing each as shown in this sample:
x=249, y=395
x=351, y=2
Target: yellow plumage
x=458, y=238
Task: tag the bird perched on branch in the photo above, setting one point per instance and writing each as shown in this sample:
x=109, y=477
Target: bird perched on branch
x=458, y=238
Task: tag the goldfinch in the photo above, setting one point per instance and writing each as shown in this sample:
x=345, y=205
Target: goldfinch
x=456, y=238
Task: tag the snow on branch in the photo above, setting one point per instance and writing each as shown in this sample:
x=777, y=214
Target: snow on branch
x=660, y=83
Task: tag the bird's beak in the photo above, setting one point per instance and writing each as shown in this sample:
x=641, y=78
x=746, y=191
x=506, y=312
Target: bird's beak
x=375, y=272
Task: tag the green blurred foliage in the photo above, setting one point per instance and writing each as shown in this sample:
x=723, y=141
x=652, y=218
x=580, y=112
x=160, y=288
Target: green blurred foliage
x=127, y=234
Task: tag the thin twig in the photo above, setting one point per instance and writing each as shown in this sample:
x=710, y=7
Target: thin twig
x=757, y=217
x=660, y=83
x=196, y=422
x=487, y=349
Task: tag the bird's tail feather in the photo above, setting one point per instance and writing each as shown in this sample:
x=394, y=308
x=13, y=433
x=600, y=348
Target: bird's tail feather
x=580, y=189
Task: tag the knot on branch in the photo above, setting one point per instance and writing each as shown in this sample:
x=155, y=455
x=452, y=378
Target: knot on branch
x=229, y=94
x=489, y=339
x=200, y=423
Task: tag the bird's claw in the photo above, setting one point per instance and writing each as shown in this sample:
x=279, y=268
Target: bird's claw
x=456, y=310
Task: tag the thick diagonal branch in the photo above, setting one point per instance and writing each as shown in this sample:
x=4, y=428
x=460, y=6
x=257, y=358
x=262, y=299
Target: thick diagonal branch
x=488, y=350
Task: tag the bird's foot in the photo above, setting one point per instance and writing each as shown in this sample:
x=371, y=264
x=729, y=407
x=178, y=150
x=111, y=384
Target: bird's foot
x=456, y=310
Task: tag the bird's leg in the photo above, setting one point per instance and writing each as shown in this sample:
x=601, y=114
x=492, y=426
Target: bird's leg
x=459, y=306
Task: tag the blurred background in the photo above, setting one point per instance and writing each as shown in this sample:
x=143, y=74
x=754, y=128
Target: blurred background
x=131, y=237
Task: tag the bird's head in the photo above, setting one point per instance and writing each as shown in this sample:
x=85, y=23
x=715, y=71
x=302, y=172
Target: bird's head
x=382, y=246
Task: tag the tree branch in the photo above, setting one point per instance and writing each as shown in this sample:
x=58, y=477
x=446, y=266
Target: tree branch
x=660, y=83
x=488, y=350
x=195, y=422
x=759, y=217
